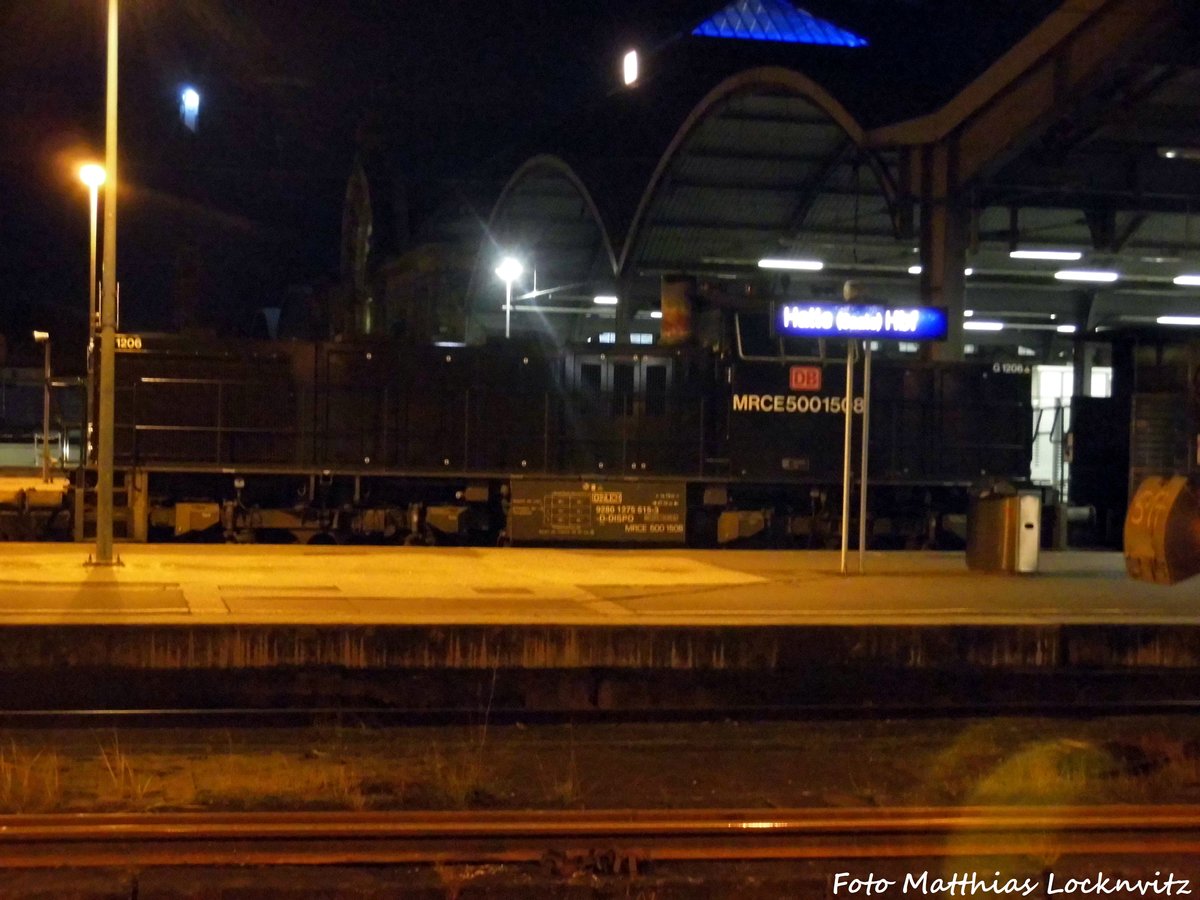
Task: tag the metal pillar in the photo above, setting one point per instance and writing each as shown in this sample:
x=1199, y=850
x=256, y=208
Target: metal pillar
x=944, y=223
x=108, y=312
x=94, y=208
x=46, y=410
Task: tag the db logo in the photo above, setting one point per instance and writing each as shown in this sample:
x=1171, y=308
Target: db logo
x=805, y=378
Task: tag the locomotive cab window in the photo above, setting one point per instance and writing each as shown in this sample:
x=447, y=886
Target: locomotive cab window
x=755, y=341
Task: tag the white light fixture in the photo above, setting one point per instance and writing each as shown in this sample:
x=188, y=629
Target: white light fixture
x=1190, y=321
x=1192, y=153
x=629, y=67
x=508, y=271
x=967, y=313
x=915, y=270
x=1066, y=329
x=604, y=300
x=982, y=325
x=1098, y=276
x=798, y=265
x=1058, y=255
x=656, y=314
x=1187, y=280
x=968, y=271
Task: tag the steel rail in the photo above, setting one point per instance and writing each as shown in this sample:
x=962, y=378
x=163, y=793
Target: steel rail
x=175, y=839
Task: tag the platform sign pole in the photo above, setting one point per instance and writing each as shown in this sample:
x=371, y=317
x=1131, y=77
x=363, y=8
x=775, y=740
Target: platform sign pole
x=866, y=434
x=849, y=437
x=854, y=322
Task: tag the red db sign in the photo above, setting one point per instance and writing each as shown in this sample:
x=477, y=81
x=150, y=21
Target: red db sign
x=805, y=378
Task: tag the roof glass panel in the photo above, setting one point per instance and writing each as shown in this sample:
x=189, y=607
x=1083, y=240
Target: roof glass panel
x=775, y=20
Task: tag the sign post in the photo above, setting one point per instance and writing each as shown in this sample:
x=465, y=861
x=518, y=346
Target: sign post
x=854, y=322
x=866, y=445
x=847, y=446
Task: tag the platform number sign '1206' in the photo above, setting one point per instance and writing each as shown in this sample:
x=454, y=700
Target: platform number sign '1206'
x=128, y=343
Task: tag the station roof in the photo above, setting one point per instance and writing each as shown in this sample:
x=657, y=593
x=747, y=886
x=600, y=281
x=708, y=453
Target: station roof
x=728, y=151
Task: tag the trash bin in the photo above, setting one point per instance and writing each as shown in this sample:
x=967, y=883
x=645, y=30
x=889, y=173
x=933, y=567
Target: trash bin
x=1004, y=532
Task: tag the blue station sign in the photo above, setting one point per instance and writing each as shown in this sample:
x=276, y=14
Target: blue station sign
x=854, y=321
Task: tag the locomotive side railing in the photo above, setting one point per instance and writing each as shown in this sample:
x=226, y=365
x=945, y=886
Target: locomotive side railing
x=223, y=421
x=227, y=421
x=208, y=429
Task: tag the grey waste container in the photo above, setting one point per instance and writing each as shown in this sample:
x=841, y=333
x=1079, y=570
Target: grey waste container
x=1004, y=532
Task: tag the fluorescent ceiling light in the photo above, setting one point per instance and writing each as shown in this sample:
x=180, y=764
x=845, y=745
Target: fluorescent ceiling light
x=914, y=270
x=656, y=314
x=982, y=325
x=1178, y=320
x=1066, y=329
x=968, y=272
x=1061, y=255
x=800, y=265
x=1187, y=280
x=1095, y=275
x=605, y=300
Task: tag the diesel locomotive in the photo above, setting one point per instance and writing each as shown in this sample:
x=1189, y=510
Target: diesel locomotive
x=520, y=441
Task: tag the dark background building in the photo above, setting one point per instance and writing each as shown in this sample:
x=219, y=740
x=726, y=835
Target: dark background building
x=440, y=102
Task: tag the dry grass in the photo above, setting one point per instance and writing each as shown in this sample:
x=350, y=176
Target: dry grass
x=991, y=762
x=275, y=781
x=457, y=780
x=29, y=780
x=125, y=787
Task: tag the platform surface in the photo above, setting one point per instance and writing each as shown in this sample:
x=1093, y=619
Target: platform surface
x=228, y=584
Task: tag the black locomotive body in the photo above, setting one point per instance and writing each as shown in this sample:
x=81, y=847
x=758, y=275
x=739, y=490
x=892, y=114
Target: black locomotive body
x=512, y=440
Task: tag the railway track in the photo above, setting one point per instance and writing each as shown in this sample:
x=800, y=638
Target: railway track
x=626, y=839
x=382, y=717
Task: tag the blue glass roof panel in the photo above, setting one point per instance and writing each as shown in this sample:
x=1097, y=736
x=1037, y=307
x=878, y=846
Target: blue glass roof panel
x=775, y=20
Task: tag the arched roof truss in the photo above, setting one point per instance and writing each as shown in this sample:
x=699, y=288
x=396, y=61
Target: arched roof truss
x=545, y=217
x=768, y=164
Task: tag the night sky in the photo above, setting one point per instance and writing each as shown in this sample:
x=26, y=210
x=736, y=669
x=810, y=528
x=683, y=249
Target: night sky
x=226, y=219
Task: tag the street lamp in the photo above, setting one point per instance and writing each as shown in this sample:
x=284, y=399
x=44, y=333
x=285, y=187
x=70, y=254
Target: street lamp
x=43, y=338
x=508, y=271
x=91, y=175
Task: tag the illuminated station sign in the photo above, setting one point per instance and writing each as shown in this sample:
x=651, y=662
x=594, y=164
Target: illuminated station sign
x=857, y=322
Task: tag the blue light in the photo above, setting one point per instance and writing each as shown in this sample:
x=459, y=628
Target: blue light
x=189, y=107
x=775, y=20
x=842, y=320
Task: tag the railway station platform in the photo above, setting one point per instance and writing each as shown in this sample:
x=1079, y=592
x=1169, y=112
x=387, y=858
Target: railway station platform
x=776, y=624
x=241, y=585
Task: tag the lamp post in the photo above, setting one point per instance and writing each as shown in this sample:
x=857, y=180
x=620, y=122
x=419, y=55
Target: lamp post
x=91, y=175
x=508, y=271
x=108, y=310
x=43, y=338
